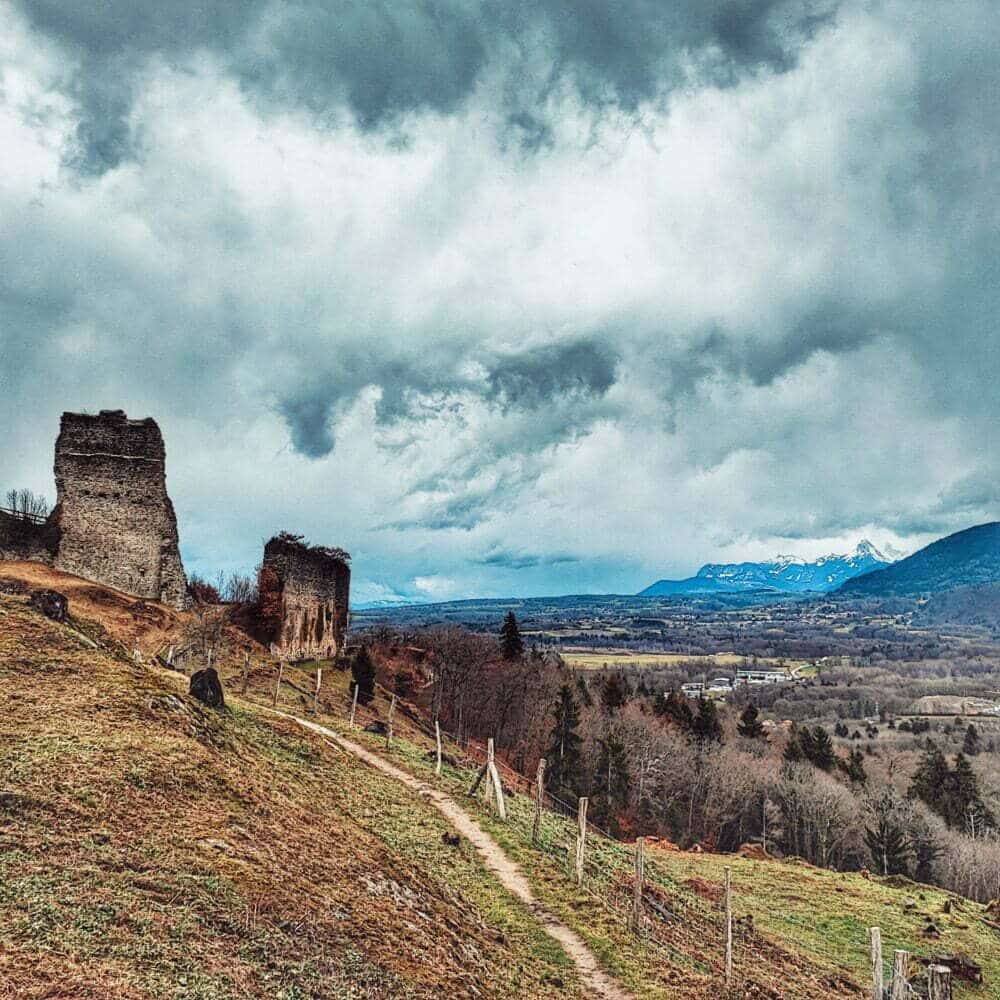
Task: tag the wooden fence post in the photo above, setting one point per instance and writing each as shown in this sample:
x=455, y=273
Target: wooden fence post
x=938, y=982
x=246, y=673
x=277, y=686
x=539, y=795
x=878, y=984
x=581, y=837
x=437, y=740
x=490, y=753
x=319, y=684
x=729, y=928
x=640, y=873
x=494, y=785
x=388, y=723
x=900, y=976
x=354, y=704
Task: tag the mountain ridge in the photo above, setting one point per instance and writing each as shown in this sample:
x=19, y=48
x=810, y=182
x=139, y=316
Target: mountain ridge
x=785, y=574
x=967, y=558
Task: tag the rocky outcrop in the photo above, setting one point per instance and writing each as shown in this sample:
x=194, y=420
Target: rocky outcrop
x=207, y=688
x=304, y=595
x=115, y=522
x=50, y=603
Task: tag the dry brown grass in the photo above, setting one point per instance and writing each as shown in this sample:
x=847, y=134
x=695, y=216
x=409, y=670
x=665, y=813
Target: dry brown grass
x=152, y=848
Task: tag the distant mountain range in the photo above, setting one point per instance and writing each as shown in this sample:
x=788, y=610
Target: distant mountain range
x=969, y=558
x=785, y=574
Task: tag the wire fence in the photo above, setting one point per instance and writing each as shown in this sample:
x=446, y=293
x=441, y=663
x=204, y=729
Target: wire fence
x=692, y=928
x=667, y=913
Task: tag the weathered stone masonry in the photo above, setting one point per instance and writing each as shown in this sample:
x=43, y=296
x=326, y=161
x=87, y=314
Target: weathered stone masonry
x=307, y=589
x=115, y=522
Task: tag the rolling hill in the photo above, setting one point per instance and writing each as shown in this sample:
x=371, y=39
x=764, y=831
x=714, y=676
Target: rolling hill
x=969, y=558
x=151, y=847
x=785, y=574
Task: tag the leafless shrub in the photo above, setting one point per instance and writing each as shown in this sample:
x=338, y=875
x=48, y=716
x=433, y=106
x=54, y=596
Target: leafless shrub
x=240, y=588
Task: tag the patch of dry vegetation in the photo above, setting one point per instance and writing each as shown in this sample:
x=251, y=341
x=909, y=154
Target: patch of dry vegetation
x=153, y=848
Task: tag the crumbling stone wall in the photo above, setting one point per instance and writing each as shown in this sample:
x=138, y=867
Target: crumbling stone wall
x=115, y=522
x=23, y=538
x=304, y=597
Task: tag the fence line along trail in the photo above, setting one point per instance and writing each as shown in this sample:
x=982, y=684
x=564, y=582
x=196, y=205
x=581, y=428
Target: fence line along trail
x=594, y=978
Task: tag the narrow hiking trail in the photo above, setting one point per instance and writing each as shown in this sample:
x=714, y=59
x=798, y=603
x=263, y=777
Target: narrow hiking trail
x=594, y=979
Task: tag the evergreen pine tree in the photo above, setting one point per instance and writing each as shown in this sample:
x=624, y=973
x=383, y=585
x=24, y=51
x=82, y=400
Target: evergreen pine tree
x=823, y=755
x=854, y=767
x=886, y=836
x=363, y=676
x=511, y=644
x=564, y=761
x=750, y=725
x=965, y=808
x=706, y=727
x=807, y=744
x=930, y=780
x=610, y=787
x=614, y=693
x=675, y=708
x=970, y=745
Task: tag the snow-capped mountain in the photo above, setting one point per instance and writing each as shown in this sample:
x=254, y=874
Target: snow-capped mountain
x=787, y=574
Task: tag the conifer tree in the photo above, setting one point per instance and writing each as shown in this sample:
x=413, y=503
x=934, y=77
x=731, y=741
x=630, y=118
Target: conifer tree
x=706, y=727
x=750, y=725
x=564, y=763
x=615, y=693
x=966, y=808
x=886, y=836
x=363, y=676
x=675, y=708
x=511, y=644
x=970, y=745
x=930, y=780
x=854, y=767
x=823, y=755
x=610, y=787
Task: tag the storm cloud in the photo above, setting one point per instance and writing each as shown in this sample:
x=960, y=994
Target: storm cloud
x=378, y=61
x=513, y=298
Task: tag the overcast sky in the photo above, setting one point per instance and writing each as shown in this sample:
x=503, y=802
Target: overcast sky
x=512, y=298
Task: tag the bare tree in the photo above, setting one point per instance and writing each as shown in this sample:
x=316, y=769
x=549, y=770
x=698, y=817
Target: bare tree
x=27, y=504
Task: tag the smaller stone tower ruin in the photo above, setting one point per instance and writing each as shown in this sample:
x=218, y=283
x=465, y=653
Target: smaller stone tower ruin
x=115, y=522
x=304, y=595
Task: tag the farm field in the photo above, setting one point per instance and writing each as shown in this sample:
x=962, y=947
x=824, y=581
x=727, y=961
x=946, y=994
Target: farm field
x=590, y=659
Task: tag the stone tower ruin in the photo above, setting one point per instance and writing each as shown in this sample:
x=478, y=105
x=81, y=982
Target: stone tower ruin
x=115, y=522
x=304, y=595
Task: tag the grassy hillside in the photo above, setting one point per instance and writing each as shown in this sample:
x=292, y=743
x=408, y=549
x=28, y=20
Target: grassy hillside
x=150, y=847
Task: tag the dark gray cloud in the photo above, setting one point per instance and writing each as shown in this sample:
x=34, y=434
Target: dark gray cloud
x=379, y=60
x=534, y=377
x=508, y=559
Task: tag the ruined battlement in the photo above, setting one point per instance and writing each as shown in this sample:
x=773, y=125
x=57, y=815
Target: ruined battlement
x=110, y=433
x=116, y=524
x=304, y=592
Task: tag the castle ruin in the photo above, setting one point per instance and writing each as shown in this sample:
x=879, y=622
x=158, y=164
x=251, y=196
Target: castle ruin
x=113, y=522
x=116, y=523
x=304, y=593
